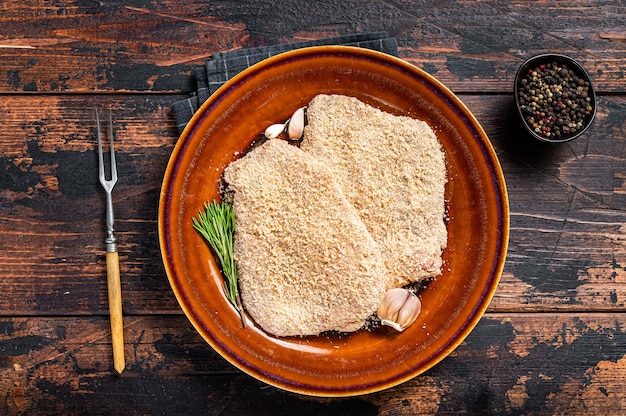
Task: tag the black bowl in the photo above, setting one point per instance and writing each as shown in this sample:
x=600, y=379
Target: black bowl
x=554, y=98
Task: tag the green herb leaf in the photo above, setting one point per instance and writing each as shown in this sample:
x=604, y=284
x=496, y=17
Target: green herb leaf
x=217, y=225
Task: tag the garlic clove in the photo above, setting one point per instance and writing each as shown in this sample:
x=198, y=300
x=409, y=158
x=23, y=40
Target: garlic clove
x=296, y=124
x=409, y=311
x=273, y=131
x=399, y=309
x=391, y=304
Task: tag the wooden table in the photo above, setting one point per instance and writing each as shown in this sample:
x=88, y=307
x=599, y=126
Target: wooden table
x=554, y=338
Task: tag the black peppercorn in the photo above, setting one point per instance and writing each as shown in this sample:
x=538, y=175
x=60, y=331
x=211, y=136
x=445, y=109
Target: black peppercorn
x=554, y=100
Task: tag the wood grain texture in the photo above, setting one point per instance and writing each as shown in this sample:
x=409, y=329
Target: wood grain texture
x=53, y=203
x=552, y=341
x=115, y=310
x=567, y=248
x=76, y=46
x=510, y=364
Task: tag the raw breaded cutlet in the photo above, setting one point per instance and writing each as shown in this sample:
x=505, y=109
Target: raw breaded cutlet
x=392, y=169
x=306, y=263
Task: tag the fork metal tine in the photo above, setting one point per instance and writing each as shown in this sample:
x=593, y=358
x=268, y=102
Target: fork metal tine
x=100, y=159
x=113, y=165
x=107, y=184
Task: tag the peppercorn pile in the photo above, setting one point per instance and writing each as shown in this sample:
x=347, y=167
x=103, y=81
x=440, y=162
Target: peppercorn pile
x=555, y=100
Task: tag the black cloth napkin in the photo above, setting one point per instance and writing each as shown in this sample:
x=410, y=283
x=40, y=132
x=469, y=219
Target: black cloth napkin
x=224, y=65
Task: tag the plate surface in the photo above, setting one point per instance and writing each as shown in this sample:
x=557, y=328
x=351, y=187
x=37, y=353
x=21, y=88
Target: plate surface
x=478, y=227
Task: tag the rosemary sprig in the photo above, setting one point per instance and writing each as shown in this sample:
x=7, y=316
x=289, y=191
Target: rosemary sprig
x=217, y=225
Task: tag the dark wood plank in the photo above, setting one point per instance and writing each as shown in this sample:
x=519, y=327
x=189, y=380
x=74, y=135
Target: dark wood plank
x=477, y=46
x=108, y=46
x=52, y=204
x=566, y=247
x=510, y=364
x=567, y=207
x=73, y=46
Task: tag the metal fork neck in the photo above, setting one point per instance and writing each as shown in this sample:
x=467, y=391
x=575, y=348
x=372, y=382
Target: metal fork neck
x=111, y=241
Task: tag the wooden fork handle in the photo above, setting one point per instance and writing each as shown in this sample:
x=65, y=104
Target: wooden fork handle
x=115, y=310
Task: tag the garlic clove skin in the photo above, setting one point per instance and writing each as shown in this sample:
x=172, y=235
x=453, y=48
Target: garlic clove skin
x=392, y=324
x=273, y=131
x=296, y=125
x=399, y=309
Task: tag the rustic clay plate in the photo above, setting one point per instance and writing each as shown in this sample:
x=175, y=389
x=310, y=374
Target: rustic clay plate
x=336, y=364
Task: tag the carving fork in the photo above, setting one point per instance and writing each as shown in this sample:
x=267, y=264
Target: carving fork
x=112, y=260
